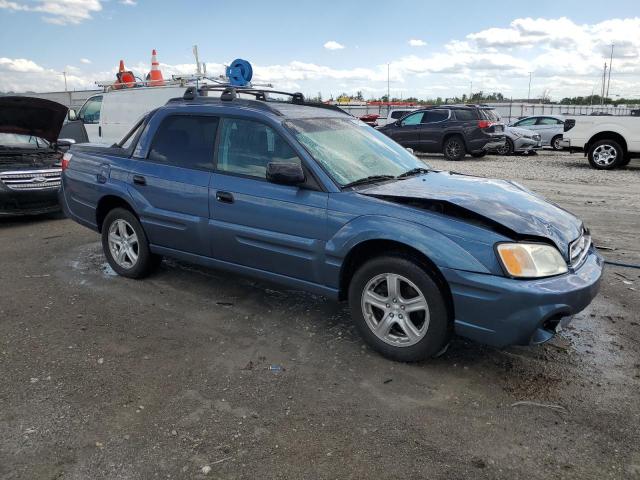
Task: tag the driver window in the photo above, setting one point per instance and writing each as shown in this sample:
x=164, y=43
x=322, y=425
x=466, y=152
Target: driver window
x=414, y=119
x=90, y=112
x=526, y=121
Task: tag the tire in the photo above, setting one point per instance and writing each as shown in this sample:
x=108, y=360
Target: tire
x=626, y=160
x=120, y=223
x=508, y=148
x=453, y=148
x=429, y=327
x=555, y=142
x=606, y=155
x=478, y=154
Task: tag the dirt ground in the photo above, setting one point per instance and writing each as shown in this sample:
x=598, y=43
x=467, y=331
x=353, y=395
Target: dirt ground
x=197, y=374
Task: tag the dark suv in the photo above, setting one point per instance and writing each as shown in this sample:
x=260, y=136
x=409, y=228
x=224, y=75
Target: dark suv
x=449, y=129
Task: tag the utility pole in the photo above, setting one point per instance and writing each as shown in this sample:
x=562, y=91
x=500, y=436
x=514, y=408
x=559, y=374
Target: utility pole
x=470, y=90
x=610, y=63
x=388, y=90
x=195, y=54
x=529, y=94
x=64, y=74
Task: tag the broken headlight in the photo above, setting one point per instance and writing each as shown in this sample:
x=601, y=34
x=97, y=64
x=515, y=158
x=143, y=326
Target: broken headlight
x=531, y=260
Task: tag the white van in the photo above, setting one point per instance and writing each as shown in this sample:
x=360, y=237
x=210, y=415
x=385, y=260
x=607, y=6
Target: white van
x=107, y=117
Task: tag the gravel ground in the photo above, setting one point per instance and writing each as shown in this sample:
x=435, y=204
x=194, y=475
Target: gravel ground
x=195, y=374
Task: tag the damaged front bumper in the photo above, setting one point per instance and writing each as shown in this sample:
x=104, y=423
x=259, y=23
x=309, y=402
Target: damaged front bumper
x=501, y=311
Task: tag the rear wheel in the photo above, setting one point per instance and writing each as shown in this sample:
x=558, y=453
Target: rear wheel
x=606, y=155
x=125, y=245
x=453, y=148
x=399, y=309
x=555, y=142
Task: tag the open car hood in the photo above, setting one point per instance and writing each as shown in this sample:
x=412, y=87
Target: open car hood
x=499, y=203
x=31, y=116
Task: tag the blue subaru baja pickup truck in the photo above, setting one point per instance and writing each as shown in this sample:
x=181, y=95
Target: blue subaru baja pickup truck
x=305, y=195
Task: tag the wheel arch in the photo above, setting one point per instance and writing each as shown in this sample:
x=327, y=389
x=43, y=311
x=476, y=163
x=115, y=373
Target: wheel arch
x=368, y=249
x=607, y=135
x=108, y=203
x=454, y=133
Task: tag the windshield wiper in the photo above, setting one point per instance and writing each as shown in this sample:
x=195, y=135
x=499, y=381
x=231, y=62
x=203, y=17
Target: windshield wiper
x=369, y=179
x=413, y=172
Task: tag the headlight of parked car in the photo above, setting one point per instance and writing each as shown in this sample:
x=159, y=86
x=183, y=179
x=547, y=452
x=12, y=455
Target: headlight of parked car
x=531, y=260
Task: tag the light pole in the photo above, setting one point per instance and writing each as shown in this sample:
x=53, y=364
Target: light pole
x=529, y=94
x=64, y=74
x=610, y=62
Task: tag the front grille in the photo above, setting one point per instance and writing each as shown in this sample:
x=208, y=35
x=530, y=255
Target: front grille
x=32, y=179
x=579, y=248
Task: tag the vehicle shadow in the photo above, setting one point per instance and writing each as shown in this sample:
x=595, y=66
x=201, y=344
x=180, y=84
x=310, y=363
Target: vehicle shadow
x=18, y=220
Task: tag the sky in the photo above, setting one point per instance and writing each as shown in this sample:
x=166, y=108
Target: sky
x=432, y=49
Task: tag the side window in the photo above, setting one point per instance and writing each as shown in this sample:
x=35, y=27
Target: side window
x=185, y=141
x=246, y=147
x=90, y=111
x=548, y=121
x=526, y=121
x=435, y=116
x=398, y=114
x=466, y=115
x=414, y=119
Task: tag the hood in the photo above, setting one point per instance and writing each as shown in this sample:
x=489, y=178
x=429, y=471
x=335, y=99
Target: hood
x=32, y=116
x=500, y=202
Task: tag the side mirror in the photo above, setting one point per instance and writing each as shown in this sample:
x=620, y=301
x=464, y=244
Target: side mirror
x=285, y=173
x=72, y=115
x=65, y=142
x=398, y=123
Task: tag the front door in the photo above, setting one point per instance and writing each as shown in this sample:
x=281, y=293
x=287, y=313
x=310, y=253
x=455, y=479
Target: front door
x=171, y=185
x=276, y=228
x=90, y=117
x=407, y=133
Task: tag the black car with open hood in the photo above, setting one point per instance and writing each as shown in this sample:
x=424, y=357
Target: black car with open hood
x=30, y=157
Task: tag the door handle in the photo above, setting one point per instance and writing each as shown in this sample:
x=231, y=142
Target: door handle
x=224, y=197
x=139, y=180
x=100, y=130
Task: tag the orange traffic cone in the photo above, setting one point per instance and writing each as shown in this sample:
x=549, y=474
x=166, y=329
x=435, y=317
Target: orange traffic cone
x=155, y=75
x=125, y=78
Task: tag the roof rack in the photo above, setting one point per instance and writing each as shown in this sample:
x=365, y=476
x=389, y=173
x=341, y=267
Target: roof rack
x=229, y=93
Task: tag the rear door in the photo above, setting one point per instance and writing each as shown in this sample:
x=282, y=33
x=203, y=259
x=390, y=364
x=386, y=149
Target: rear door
x=255, y=223
x=432, y=129
x=170, y=186
x=548, y=127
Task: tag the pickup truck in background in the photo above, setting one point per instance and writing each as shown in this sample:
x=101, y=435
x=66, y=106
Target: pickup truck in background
x=607, y=141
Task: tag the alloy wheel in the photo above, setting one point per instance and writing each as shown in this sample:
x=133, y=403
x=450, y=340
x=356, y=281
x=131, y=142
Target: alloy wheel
x=395, y=310
x=604, y=155
x=123, y=243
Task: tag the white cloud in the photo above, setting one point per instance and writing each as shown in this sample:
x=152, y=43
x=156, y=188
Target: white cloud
x=333, y=45
x=414, y=42
x=131, y=3
x=59, y=12
x=85, y=61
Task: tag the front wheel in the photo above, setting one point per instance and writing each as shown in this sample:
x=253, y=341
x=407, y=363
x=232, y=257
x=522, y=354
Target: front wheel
x=555, y=142
x=453, y=148
x=606, y=155
x=399, y=309
x=125, y=245
x=508, y=147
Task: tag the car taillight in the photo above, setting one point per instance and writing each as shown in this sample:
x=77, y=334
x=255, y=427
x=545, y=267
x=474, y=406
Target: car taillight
x=569, y=124
x=485, y=123
x=66, y=159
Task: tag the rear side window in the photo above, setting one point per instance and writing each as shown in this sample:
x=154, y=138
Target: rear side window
x=185, y=141
x=246, y=147
x=414, y=119
x=466, y=115
x=434, y=116
x=548, y=121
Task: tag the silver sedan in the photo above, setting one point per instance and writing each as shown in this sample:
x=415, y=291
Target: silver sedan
x=520, y=140
x=550, y=128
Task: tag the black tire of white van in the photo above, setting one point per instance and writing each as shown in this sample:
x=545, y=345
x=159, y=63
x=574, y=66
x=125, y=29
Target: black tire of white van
x=146, y=261
x=454, y=148
x=618, y=161
x=439, y=330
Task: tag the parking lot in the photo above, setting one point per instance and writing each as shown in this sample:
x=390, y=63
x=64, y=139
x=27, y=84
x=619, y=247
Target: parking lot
x=105, y=377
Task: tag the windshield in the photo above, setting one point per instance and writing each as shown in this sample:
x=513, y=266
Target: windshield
x=16, y=140
x=349, y=150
